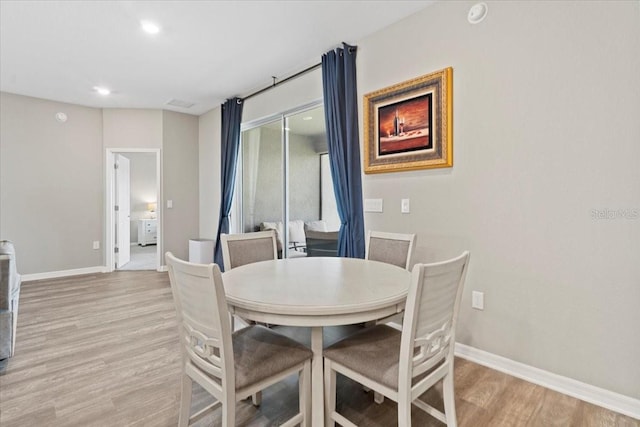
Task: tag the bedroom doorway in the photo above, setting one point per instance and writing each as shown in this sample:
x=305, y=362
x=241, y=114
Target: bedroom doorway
x=133, y=232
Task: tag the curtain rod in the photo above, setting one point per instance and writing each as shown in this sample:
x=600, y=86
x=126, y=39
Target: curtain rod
x=275, y=83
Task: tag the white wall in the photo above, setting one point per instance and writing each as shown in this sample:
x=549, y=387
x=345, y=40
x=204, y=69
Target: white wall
x=292, y=94
x=546, y=130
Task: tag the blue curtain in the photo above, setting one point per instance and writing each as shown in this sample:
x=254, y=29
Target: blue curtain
x=230, y=143
x=341, y=116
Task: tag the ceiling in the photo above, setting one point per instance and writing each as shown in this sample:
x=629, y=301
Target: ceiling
x=206, y=51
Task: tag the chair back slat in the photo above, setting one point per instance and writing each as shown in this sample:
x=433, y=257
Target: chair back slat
x=428, y=332
x=203, y=316
x=391, y=248
x=203, y=351
x=247, y=248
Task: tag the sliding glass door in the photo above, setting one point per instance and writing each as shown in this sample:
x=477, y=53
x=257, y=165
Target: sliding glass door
x=281, y=177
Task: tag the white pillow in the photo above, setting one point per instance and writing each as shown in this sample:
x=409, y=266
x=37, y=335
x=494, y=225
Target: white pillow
x=296, y=231
x=319, y=225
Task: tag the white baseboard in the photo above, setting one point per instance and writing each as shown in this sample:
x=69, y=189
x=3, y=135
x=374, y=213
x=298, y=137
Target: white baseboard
x=607, y=399
x=63, y=273
x=163, y=268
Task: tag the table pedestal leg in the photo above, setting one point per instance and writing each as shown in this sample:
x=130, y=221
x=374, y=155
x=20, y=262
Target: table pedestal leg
x=317, y=377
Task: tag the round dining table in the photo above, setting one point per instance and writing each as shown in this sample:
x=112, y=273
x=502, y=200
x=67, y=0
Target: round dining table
x=316, y=292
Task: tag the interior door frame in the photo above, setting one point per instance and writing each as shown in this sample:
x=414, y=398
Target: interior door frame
x=122, y=225
x=109, y=228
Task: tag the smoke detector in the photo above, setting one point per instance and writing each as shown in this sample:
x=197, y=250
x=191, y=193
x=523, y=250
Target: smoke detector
x=477, y=13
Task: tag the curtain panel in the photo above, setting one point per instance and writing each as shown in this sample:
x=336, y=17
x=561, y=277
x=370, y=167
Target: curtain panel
x=341, y=116
x=230, y=144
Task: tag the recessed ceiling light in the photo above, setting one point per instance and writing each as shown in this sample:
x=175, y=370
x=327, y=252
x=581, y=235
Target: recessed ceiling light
x=307, y=118
x=102, y=90
x=149, y=27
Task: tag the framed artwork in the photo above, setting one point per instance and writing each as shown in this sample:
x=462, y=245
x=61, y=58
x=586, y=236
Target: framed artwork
x=408, y=126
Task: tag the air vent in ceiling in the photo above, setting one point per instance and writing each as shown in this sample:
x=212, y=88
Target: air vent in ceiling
x=181, y=104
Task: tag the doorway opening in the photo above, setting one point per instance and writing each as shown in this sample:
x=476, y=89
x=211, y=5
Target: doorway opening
x=133, y=231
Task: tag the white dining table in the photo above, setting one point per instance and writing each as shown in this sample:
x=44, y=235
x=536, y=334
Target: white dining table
x=316, y=292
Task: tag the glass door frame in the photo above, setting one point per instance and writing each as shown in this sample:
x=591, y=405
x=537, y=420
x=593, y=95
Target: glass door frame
x=237, y=214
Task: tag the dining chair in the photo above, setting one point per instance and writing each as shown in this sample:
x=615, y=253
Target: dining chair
x=392, y=248
x=402, y=365
x=246, y=248
x=231, y=367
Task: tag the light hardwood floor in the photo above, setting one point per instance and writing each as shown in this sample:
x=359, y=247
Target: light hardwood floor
x=102, y=350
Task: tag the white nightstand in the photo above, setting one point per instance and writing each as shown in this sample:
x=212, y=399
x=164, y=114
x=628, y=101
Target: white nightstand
x=147, y=232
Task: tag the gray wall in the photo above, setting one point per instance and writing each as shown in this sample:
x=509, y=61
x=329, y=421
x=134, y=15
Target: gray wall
x=180, y=181
x=304, y=179
x=209, y=178
x=268, y=201
x=546, y=131
x=132, y=128
x=51, y=180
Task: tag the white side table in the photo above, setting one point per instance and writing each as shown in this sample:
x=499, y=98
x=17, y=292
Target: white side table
x=201, y=251
x=147, y=232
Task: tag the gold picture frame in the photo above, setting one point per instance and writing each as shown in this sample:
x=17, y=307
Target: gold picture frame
x=409, y=126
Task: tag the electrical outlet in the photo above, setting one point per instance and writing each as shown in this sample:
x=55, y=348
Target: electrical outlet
x=96, y=244
x=477, y=300
x=169, y=204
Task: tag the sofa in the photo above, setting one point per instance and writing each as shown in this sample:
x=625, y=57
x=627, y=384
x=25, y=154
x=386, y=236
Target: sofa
x=9, y=295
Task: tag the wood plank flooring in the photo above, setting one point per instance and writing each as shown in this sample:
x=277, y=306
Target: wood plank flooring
x=102, y=350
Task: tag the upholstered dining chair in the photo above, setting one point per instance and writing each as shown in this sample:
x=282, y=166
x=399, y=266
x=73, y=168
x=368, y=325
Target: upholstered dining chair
x=395, y=249
x=246, y=248
x=402, y=365
x=231, y=367
x=392, y=248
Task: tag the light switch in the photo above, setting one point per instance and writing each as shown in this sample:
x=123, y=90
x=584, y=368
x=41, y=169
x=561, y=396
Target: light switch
x=404, y=206
x=477, y=300
x=169, y=204
x=373, y=205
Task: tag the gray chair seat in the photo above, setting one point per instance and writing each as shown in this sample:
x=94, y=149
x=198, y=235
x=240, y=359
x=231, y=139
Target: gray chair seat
x=374, y=352
x=261, y=353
